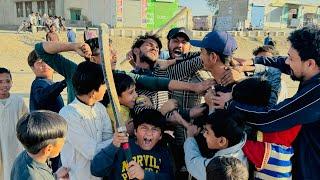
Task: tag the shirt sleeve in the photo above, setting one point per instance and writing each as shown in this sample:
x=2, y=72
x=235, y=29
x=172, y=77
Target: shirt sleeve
x=44, y=91
x=274, y=61
x=196, y=164
x=60, y=64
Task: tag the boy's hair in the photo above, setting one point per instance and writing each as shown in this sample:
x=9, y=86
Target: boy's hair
x=265, y=48
x=5, y=70
x=141, y=39
x=88, y=77
x=37, y=129
x=122, y=82
x=149, y=116
x=32, y=58
x=226, y=124
x=307, y=42
x=254, y=90
x=226, y=168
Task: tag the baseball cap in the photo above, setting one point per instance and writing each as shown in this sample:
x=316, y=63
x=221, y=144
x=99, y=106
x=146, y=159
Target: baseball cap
x=219, y=41
x=174, y=32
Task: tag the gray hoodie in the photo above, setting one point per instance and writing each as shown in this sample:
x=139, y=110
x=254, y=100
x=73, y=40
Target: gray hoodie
x=196, y=164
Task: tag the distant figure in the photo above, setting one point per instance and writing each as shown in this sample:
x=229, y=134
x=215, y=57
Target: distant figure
x=71, y=35
x=267, y=39
x=25, y=25
x=52, y=34
x=88, y=34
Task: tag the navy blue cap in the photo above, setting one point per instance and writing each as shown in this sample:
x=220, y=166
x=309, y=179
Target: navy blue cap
x=179, y=31
x=218, y=41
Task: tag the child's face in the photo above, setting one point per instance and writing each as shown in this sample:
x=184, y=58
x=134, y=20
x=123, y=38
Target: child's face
x=57, y=147
x=128, y=97
x=213, y=142
x=147, y=136
x=41, y=69
x=5, y=85
x=98, y=95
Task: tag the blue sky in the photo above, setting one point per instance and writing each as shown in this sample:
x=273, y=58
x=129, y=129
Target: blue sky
x=198, y=7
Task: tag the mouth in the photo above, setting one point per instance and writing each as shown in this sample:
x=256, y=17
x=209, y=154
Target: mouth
x=147, y=141
x=177, y=52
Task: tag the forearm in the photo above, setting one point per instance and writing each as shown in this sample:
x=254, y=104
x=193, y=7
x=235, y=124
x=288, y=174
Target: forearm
x=175, y=85
x=57, y=47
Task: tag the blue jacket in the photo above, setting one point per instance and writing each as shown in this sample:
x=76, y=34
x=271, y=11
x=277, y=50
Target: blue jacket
x=45, y=95
x=303, y=108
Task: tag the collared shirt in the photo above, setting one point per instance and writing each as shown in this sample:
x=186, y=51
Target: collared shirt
x=89, y=130
x=25, y=167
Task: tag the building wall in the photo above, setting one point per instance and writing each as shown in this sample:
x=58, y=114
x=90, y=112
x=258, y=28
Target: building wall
x=230, y=13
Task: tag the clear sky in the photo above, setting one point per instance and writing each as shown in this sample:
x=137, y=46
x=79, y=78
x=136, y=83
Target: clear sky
x=198, y=7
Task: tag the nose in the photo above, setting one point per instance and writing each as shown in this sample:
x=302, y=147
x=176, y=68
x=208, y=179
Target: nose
x=287, y=61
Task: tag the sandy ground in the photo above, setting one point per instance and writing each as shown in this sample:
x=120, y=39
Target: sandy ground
x=15, y=48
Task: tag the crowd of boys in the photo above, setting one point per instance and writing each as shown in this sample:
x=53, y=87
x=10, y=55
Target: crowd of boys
x=235, y=121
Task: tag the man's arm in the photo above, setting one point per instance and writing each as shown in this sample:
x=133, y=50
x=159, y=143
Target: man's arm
x=274, y=61
x=302, y=108
x=60, y=64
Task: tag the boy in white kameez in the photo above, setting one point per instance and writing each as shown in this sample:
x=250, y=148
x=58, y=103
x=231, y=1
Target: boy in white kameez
x=12, y=108
x=89, y=126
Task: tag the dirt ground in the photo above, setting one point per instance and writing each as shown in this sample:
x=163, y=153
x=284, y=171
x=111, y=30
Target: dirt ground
x=15, y=48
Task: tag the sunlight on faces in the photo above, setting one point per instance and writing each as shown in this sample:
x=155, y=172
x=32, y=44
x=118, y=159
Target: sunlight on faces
x=297, y=66
x=205, y=58
x=5, y=85
x=56, y=147
x=128, y=97
x=98, y=95
x=213, y=142
x=97, y=59
x=150, y=49
x=41, y=69
x=147, y=136
x=178, y=46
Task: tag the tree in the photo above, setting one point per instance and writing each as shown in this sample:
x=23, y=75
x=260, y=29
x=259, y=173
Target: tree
x=213, y=5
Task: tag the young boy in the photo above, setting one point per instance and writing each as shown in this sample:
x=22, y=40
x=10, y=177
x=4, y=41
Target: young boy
x=150, y=160
x=226, y=168
x=89, y=126
x=269, y=152
x=45, y=94
x=42, y=133
x=126, y=91
x=12, y=108
x=222, y=133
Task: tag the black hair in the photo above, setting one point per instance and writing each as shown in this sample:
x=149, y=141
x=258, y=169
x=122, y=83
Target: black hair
x=37, y=129
x=122, y=82
x=141, y=39
x=307, y=42
x=87, y=77
x=271, y=43
x=5, y=70
x=254, y=90
x=223, y=58
x=94, y=45
x=32, y=58
x=265, y=48
x=149, y=116
x=225, y=124
x=226, y=168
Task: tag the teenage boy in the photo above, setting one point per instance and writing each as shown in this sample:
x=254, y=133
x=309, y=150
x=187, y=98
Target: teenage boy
x=42, y=133
x=45, y=94
x=12, y=107
x=151, y=160
x=89, y=125
x=222, y=133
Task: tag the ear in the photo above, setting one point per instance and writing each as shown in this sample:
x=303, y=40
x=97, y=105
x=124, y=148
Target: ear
x=223, y=141
x=91, y=94
x=136, y=51
x=213, y=58
x=312, y=63
x=47, y=150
